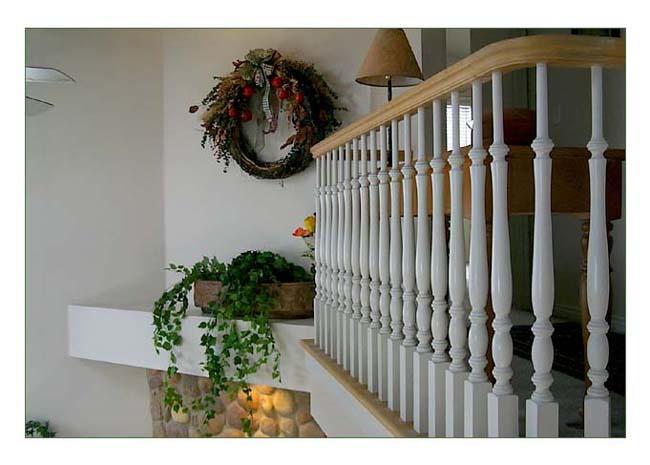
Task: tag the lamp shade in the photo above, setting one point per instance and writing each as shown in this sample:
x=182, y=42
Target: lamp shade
x=390, y=55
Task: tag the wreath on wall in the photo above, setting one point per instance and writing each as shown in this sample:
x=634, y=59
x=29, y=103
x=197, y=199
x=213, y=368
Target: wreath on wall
x=291, y=86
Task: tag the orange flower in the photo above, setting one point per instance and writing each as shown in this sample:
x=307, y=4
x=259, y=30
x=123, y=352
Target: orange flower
x=301, y=232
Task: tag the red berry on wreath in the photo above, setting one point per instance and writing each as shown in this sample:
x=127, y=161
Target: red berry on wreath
x=300, y=97
x=248, y=91
x=276, y=82
x=283, y=93
x=246, y=116
x=232, y=112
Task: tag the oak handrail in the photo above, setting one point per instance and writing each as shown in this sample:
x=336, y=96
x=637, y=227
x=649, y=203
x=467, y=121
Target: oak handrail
x=506, y=55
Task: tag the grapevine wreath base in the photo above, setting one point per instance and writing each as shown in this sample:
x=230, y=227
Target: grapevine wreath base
x=291, y=86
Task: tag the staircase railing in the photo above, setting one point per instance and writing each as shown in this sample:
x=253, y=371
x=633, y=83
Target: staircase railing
x=392, y=288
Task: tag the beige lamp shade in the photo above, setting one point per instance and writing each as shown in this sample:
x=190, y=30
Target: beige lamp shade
x=390, y=55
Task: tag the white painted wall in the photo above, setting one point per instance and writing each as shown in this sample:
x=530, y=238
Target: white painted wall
x=208, y=212
x=94, y=219
x=96, y=166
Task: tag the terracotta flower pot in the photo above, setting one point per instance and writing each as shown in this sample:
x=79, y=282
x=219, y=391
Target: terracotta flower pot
x=206, y=292
x=294, y=300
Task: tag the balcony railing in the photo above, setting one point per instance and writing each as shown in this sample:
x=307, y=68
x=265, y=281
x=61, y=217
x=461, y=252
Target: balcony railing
x=391, y=277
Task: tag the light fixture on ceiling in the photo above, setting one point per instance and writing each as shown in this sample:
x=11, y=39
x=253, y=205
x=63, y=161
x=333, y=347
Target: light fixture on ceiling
x=34, y=106
x=40, y=74
x=43, y=74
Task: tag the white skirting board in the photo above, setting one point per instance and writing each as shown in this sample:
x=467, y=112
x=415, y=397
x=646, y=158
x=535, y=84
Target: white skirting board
x=125, y=337
x=336, y=410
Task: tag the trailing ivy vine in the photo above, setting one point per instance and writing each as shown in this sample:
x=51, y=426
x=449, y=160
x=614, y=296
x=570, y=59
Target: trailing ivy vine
x=169, y=311
x=237, y=339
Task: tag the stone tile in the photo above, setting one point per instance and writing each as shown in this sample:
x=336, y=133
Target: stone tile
x=269, y=427
x=154, y=380
x=283, y=402
x=252, y=404
x=303, y=416
x=311, y=430
x=175, y=380
x=235, y=414
x=288, y=427
x=266, y=404
x=190, y=386
x=158, y=429
x=156, y=404
x=216, y=424
x=263, y=389
x=176, y=430
x=233, y=433
x=204, y=384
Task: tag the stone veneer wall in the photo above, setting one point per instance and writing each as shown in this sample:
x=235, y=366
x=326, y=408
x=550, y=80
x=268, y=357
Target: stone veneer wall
x=276, y=412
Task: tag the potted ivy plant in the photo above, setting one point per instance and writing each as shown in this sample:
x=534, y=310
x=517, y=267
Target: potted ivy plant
x=291, y=286
x=240, y=299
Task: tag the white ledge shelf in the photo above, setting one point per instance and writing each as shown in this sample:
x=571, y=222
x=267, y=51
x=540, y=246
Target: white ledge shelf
x=125, y=337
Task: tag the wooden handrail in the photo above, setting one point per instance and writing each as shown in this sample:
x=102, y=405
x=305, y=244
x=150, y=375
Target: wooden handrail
x=507, y=55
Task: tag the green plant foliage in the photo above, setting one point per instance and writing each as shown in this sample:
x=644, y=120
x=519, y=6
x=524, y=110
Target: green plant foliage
x=237, y=338
x=170, y=309
x=36, y=429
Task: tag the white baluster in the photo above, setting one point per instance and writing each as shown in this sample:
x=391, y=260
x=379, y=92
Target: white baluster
x=396, y=336
x=477, y=385
x=356, y=265
x=347, y=255
x=340, y=258
x=457, y=371
x=423, y=351
x=384, y=266
x=334, y=275
x=541, y=409
x=503, y=405
x=373, y=260
x=317, y=254
x=364, y=246
x=596, y=406
x=322, y=242
x=439, y=321
x=408, y=270
x=327, y=278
